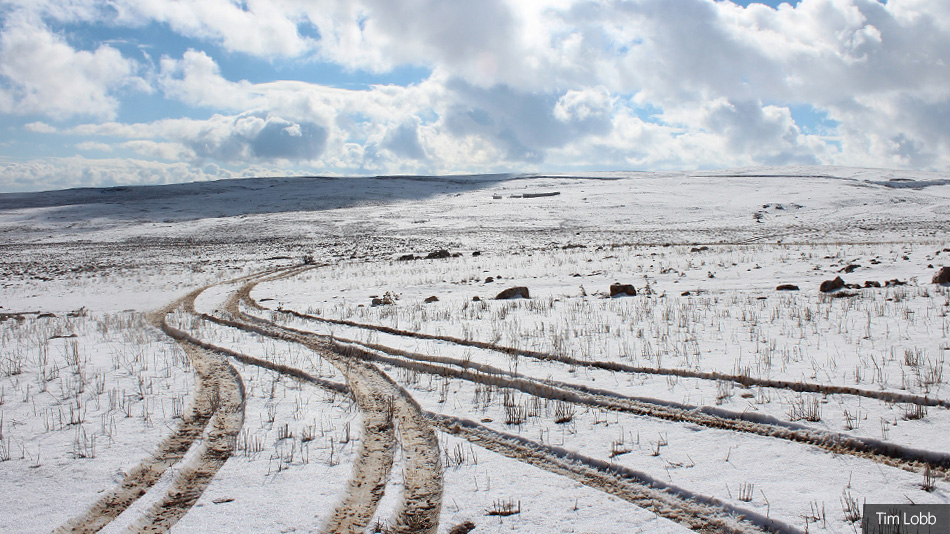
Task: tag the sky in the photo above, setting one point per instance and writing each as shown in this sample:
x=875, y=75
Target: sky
x=122, y=92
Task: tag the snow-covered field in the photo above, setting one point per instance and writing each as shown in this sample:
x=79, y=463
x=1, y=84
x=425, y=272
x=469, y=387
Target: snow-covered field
x=266, y=356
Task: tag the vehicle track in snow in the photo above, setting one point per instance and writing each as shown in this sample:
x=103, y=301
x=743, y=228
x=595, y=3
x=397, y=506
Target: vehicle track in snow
x=388, y=409
x=215, y=414
x=697, y=512
x=421, y=501
x=743, y=380
x=879, y=451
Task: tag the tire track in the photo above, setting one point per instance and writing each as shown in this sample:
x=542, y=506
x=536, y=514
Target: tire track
x=375, y=456
x=374, y=461
x=422, y=497
x=906, y=458
x=382, y=403
x=228, y=402
x=218, y=403
x=888, y=454
x=744, y=380
x=697, y=512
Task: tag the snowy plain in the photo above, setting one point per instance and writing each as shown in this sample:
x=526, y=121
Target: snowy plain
x=559, y=412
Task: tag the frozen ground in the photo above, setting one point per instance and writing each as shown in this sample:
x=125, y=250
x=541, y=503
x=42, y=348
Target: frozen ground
x=278, y=398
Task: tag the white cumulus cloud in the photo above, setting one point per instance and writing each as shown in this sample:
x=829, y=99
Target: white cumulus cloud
x=41, y=74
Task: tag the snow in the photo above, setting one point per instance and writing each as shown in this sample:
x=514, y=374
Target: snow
x=705, y=251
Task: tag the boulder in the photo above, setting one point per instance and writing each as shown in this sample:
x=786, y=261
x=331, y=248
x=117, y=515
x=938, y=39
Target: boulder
x=872, y=283
x=831, y=285
x=439, y=255
x=386, y=300
x=513, y=292
x=942, y=276
x=786, y=287
x=431, y=299
x=622, y=290
x=894, y=283
x=406, y=257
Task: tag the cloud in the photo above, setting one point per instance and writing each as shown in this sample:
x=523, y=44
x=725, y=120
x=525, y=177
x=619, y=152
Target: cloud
x=41, y=74
x=196, y=80
x=262, y=28
x=236, y=138
x=60, y=173
x=404, y=141
x=93, y=146
x=551, y=84
x=39, y=127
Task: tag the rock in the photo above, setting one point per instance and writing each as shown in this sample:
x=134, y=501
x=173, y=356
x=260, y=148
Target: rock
x=476, y=254
x=463, y=528
x=872, y=283
x=622, y=290
x=386, y=300
x=439, y=255
x=894, y=283
x=699, y=249
x=942, y=276
x=831, y=285
x=685, y=294
x=476, y=298
x=786, y=287
x=489, y=279
x=513, y=292
x=847, y=269
x=406, y=257
x=431, y=299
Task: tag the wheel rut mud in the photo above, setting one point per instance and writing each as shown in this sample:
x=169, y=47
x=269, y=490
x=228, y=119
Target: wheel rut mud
x=875, y=450
x=215, y=413
x=421, y=501
x=894, y=455
x=390, y=413
x=695, y=512
x=743, y=380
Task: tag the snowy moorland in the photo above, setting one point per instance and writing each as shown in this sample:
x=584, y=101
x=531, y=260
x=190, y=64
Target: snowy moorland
x=329, y=354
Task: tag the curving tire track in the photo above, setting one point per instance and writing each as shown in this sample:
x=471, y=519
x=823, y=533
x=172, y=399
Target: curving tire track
x=216, y=411
x=374, y=460
x=878, y=451
x=422, y=495
x=694, y=511
x=906, y=458
x=743, y=380
x=382, y=403
x=909, y=459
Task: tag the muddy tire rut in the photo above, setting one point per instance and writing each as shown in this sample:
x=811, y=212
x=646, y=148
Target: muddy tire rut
x=743, y=380
x=702, y=514
x=421, y=501
x=214, y=417
x=390, y=414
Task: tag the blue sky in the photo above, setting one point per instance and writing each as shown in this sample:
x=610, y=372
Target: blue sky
x=97, y=93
